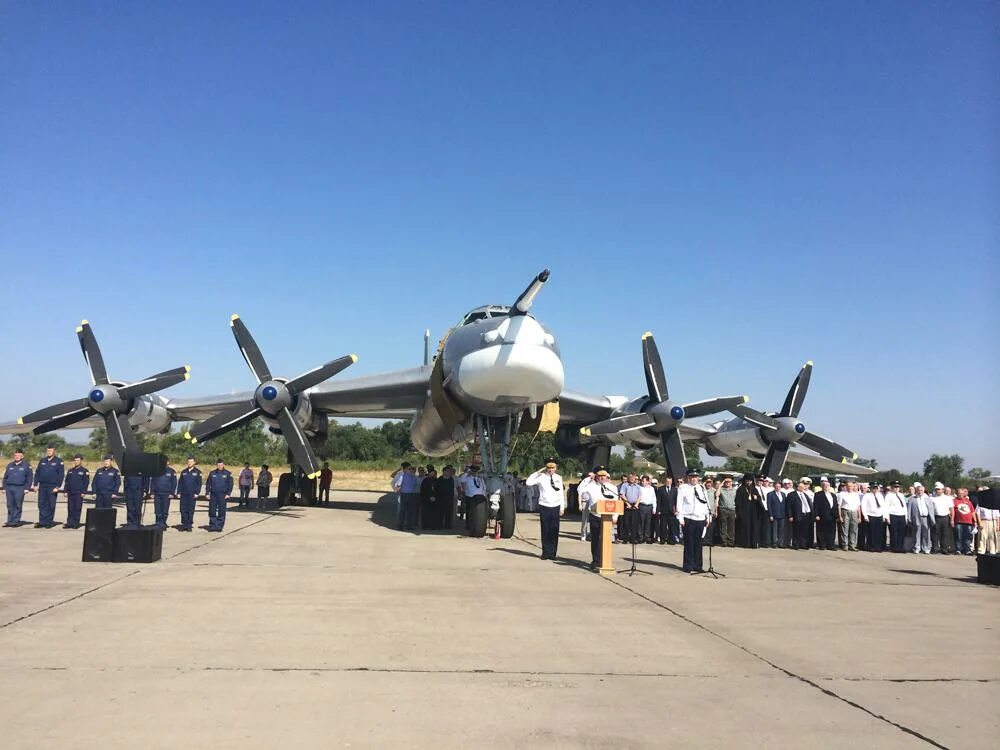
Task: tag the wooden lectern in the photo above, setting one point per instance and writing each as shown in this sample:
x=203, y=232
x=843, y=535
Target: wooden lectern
x=608, y=509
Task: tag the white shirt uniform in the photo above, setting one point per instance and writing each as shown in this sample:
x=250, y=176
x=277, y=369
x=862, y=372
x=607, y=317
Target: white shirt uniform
x=692, y=502
x=472, y=485
x=597, y=492
x=895, y=504
x=647, y=495
x=943, y=504
x=873, y=505
x=550, y=489
x=987, y=514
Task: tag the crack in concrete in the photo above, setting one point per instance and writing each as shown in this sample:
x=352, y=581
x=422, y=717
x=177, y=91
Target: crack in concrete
x=918, y=680
x=805, y=680
x=216, y=538
x=70, y=599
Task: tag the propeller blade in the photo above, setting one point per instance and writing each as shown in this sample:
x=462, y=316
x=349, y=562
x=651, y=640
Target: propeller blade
x=619, y=424
x=155, y=383
x=65, y=420
x=298, y=444
x=656, y=381
x=713, y=405
x=527, y=298
x=673, y=450
x=316, y=376
x=797, y=393
x=250, y=350
x=121, y=439
x=225, y=420
x=774, y=461
x=92, y=353
x=55, y=411
x=827, y=448
x=758, y=418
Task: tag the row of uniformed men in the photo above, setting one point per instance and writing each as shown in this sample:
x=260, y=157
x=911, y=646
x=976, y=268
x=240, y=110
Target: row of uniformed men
x=51, y=477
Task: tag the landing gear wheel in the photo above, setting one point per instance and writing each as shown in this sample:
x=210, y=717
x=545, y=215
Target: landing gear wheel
x=477, y=517
x=284, y=488
x=506, y=516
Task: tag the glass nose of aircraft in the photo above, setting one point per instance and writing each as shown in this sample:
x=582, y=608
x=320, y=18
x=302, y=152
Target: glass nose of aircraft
x=518, y=363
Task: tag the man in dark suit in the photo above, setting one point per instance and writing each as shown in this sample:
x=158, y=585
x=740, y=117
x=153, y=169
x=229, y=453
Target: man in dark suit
x=825, y=512
x=776, y=513
x=667, y=527
x=800, y=511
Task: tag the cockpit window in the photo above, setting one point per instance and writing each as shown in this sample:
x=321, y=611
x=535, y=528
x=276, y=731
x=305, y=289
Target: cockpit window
x=482, y=313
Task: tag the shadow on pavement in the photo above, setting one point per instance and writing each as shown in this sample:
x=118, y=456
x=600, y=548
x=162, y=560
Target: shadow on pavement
x=385, y=515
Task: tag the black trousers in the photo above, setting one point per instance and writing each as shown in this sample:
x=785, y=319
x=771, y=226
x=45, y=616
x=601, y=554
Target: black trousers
x=549, y=518
x=324, y=493
x=630, y=521
x=744, y=530
x=897, y=533
x=826, y=534
x=876, y=534
x=941, y=533
x=762, y=522
x=596, y=529
x=692, y=544
x=804, y=532
x=645, y=523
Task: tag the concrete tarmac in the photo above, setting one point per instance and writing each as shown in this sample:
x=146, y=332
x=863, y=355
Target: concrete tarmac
x=326, y=627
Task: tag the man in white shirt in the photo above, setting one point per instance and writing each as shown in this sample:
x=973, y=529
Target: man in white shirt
x=920, y=513
x=895, y=505
x=693, y=512
x=986, y=523
x=600, y=489
x=584, y=515
x=941, y=529
x=874, y=512
x=472, y=487
x=849, y=504
x=647, y=504
x=551, y=506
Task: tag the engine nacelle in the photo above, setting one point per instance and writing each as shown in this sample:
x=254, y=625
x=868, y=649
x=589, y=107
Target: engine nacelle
x=432, y=437
x=149, y=415
x=567, y=440
x=312, y=423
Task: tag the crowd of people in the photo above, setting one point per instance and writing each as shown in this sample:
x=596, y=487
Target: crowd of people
x=759, y=511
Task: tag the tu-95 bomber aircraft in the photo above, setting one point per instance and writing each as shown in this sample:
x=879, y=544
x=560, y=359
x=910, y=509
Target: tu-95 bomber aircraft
x=496, y=374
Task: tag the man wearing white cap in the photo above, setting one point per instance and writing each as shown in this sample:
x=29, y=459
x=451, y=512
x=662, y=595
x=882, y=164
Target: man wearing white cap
x=874, y=512
x=920, y=513
x=551, y=506
x=941, y=533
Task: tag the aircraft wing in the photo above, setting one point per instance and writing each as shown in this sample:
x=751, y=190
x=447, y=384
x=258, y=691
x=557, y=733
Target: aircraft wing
x=811, y=459
x=583, y=409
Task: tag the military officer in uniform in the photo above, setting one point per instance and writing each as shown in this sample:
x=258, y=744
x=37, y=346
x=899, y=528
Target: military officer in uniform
x=136, y=489
x=77, y=482
x=551, y=505
x=218, y=485
x=163, y=487
x=188, y=487
x=105, y=483
x=16, y=481
x=693, y=512
x=48, y=479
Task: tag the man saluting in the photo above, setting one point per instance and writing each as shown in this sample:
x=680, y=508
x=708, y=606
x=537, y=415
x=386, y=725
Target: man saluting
x=551, y=505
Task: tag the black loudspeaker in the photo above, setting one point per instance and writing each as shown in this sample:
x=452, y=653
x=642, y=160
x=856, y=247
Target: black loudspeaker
x=98, y=536
x=988, y=569
x=144, y=464
x=138, y=545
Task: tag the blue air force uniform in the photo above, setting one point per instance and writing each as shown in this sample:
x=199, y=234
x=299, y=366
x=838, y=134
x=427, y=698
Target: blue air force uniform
x=48, y=478
x=16, y=481
x=77, y=482
x=218, y=486
x=136, y=487
x=188, y=487
x=105, y=483
x=162, y=488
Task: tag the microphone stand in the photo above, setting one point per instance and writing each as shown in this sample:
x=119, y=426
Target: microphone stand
x=633, y=570
x=710, y=570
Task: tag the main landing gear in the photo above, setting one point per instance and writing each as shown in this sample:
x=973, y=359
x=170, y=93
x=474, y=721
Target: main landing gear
x=493, y=436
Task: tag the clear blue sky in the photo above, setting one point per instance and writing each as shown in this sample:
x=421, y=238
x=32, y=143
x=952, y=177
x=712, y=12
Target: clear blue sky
x=757, y=183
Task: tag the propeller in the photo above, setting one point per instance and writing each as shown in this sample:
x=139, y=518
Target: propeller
x=783, y=430
x=274, y=398
x=661, y=415
x=113, y=401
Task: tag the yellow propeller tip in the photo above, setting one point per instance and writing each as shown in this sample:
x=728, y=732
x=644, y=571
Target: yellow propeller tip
x=585, y=431
x=20, y=420
x=193, y=440
x=187, y=435
x=647, y=335
x=79, y=329
x=354, y=357
x=314, y=475
x=233, y=317
x=746, y=399
x=85, y=322
x=854, y=457
x=809, y=363
x=187, y=368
